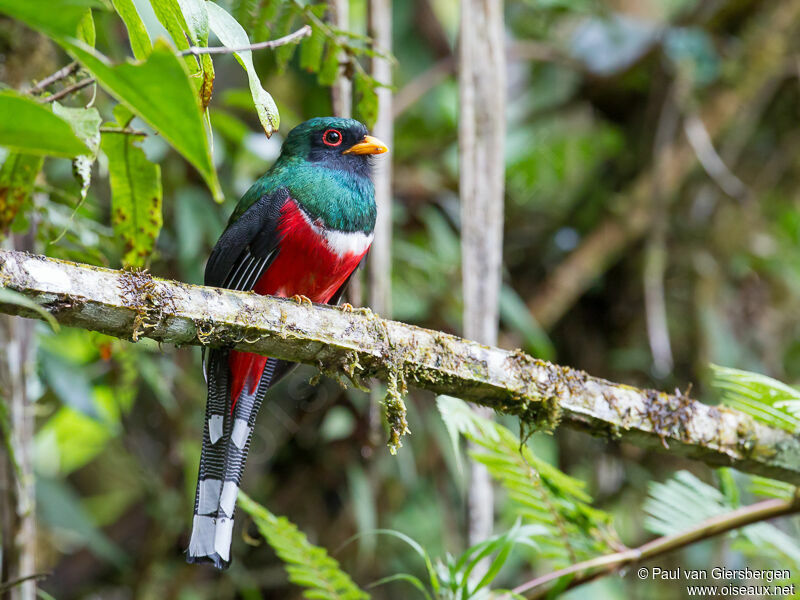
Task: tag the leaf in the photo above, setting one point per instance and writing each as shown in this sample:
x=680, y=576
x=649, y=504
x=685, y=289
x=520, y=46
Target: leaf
x=232, y=35
x=55, y=18
x=366, y=98
x=35, y=129
x=68, y=382
x=85, y=122
x=8, y=296
x=159, y=91
x=684, y=501
x=312, y=49
x=17, y=177
x=329, y=70
x=196, y=16
x=170, y=15
x=283, y=25
x=540, y=493
x=307, y=565
x=187, y=23
x=516, y=316
x=137, y=33
x=765, y=399
x=86, y=32
x=135, y=197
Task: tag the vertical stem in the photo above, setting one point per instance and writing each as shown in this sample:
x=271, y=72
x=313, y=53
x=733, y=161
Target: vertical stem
x=17, y=497
x=342, y=90
x=482, y=97
x=380, y=257
x=342, y=104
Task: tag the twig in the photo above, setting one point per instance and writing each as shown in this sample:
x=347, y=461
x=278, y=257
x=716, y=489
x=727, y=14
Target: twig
x=709, y=158
x=761, y=511
x=128, y=306
x=68, y=90
x=7, y=585
x=57, y=76
x=295, y=36
x=124, y=131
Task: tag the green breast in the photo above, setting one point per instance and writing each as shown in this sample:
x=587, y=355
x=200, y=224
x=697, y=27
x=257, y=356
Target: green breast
x=340, y=200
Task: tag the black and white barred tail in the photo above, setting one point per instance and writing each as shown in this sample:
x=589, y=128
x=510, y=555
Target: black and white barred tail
x=226, y=440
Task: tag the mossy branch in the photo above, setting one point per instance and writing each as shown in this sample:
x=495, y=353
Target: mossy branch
x=132, y=304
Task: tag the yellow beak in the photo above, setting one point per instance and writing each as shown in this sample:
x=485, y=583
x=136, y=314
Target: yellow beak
x=369, y=145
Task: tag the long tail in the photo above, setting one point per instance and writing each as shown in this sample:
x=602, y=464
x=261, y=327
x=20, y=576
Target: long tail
x=226, y=440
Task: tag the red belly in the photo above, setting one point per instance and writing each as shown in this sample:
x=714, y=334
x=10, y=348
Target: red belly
x=305, y=266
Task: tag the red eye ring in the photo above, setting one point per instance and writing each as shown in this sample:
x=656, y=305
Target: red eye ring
x=332, y=137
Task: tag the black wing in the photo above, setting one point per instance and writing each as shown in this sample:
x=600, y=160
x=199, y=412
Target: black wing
x=248, y=246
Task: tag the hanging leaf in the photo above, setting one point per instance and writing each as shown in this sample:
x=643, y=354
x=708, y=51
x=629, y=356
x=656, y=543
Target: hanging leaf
x=307, y=565
x=85, y=122
x=232, y=35
x=135, y=195
x=311, y=50
x=196, y=15
x=330, y=65
x=283, y=25
x=35, y=129
x=366, y=98
x=187, y=23
x=16, y=183
x=170, y=15
x=86, y=31
x=137, y=33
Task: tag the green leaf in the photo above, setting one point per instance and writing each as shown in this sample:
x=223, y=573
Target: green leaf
x=35, y=129
x=159, y=91
x=312, y=49
x=195, y=14
x=307, y=565
x=170, y=15
x=135, y=197
x=8, y=296
x=366, y=98
x=189, y=19
x=68, y=382
x=540, y=493
x=56, y=18
x=765, y=399
x=403, y=577
x=232, y=35
x=330, y=65
x=515, y=315
x=137, y=32
x=283, y=25
x=85, y=122
x=86, y=32
x=16, y=183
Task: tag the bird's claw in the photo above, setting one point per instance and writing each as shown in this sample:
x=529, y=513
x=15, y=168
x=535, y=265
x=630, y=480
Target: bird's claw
x=300, y=299
x=346, y=307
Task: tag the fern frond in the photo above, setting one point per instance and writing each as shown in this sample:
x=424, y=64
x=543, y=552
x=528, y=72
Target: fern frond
x=684, y=501
x=765, y=399
x=307, y=565
x=540, y=493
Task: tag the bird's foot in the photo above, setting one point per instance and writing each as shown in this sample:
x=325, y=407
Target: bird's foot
x=300, y=299
x=346, y=307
